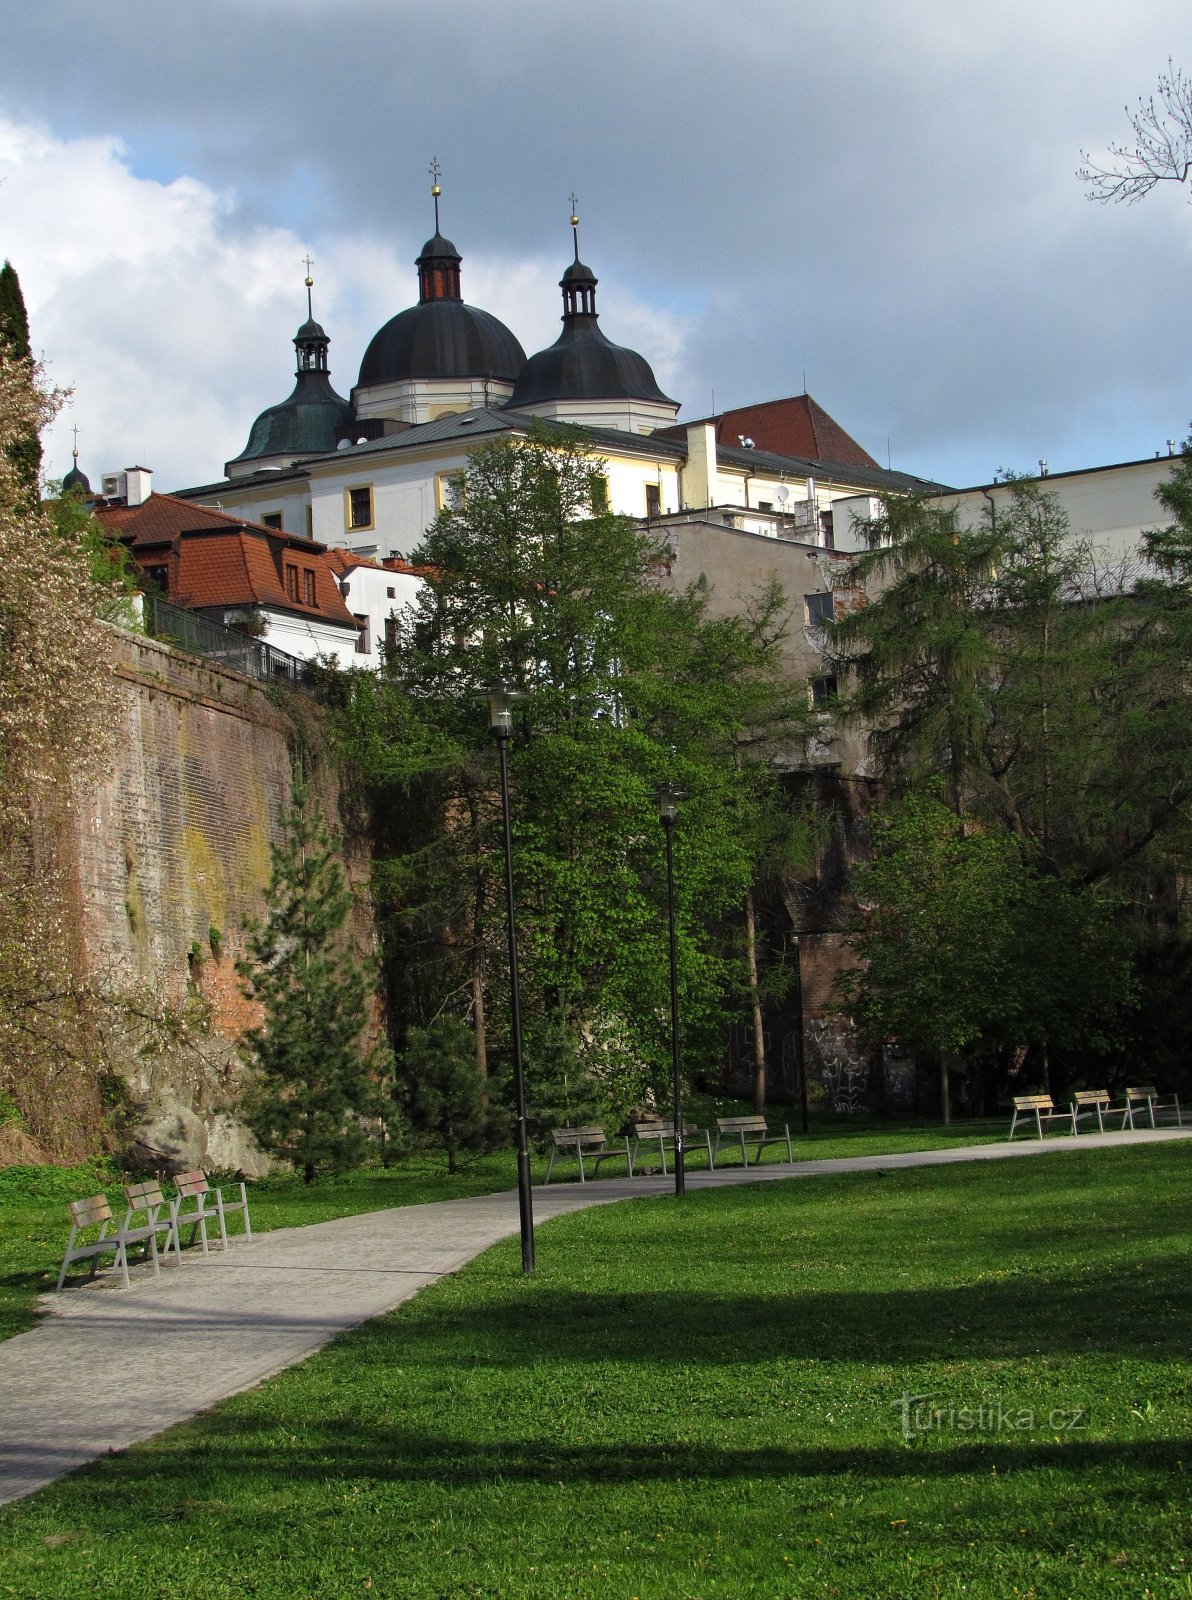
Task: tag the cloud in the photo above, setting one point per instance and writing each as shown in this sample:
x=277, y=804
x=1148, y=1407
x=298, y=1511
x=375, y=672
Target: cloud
x=171, y=318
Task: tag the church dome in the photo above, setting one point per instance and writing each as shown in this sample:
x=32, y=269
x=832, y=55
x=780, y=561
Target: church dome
x=441, y=337
x=76, y=480
x=582, y=364
x=311, y=420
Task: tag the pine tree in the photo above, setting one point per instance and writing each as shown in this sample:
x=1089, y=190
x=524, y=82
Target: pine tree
x=444, y=1090
x=316, y=1080
x=24, y=451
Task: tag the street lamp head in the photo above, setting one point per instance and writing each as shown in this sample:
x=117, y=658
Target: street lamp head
x=668, y=797
x=500, y=695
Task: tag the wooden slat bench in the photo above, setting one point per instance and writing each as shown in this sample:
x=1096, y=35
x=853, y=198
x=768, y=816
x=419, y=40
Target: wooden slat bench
x=588, y=1141
x=753, y=1133
x=112, y=1239
x=1043, y=1109
x=191, y=1208
x=148, y=1215
x=1090, y=1103
x=661, y=1130
x=1147, y=1099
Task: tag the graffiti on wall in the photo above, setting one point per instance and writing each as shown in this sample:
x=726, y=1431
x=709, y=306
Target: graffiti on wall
x=843, y=1065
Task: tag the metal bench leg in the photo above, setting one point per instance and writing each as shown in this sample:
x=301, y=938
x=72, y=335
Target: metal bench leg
x=550, y=1165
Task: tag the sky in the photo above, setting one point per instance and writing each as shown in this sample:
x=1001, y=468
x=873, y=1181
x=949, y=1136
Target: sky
x=875, y=199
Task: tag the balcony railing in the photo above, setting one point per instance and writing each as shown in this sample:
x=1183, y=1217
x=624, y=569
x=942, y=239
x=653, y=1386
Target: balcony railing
x=225, y=646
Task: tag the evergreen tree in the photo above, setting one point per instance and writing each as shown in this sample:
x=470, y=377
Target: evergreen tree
x=442, y=1088
x=316, y=1080
x=24, y=450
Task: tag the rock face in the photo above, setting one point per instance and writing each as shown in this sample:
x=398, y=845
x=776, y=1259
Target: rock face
x=173, y=854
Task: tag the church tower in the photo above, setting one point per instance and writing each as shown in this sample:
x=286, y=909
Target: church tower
x=311, y=421
x=585, y=378
x=441, y=355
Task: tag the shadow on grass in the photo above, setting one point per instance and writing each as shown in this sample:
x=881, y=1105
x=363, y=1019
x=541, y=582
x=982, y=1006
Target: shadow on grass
x=1017, y=1316
x=241, y=1452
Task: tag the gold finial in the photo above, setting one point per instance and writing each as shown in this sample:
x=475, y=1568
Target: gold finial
x=309, y=282
x=436, y=172
x=575, y=223
x=75, y=451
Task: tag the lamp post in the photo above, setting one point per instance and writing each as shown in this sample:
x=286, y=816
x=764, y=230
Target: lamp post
x=500, y=695
x=668, y=806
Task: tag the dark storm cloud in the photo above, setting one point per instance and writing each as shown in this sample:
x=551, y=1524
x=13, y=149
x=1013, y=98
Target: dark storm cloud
x=883, y=195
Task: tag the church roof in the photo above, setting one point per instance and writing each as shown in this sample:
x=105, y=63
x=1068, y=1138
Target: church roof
x=441, y=339
x=796, y=426
x=582, y=364
x=311, y=420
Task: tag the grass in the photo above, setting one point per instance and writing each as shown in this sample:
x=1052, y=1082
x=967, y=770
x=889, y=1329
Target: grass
x=34, y=1226
x=706, y=1400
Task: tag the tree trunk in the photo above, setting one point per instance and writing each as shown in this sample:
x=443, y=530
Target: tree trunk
x=755, y=1000
x=945, y=1106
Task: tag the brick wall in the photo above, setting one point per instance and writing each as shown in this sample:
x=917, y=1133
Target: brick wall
x=173, y=855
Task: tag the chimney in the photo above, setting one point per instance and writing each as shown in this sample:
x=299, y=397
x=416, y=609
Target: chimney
x=140, y=485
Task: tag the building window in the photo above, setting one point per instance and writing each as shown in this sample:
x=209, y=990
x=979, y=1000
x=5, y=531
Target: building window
x=291, y=581
x=824, y=691
x=391, y=594
x=653, y=500
x=449, y=491
x=364, y=637
x=358, y=504
x=159, y=576
x=391, y=627
x=310, y=522
x=598, y=493
x=271, y=519
x=826, y=533
x=308, y=586
x=821, y=610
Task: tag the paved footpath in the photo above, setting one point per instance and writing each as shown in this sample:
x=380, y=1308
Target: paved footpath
x=111, y=1366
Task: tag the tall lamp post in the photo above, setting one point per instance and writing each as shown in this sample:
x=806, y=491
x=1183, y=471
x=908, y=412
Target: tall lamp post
x=668, y=806
x=500, y=695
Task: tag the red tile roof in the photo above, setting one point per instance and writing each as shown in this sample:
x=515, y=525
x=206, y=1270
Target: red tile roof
x=216, y=560
x=797, y=426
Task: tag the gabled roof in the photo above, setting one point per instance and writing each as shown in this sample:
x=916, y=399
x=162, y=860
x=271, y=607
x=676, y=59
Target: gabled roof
x=796, y=426
x=216, y=560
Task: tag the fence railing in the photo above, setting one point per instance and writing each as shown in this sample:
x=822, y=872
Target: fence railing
x=227, y=647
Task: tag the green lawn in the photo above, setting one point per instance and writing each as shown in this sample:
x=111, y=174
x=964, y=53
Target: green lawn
x=34, y=1225
x=706, y=1399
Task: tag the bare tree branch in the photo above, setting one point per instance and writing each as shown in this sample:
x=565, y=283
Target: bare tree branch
x=1162, y=148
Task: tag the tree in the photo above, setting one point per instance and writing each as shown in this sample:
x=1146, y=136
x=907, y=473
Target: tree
x=937, y=936
x=316, y=1079
x=536, y=581
x=57, y=711
x=1161, y=151
x=442, y=1088
x=23, y=449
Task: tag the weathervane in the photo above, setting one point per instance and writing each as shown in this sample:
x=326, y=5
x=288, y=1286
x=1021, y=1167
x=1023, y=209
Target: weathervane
x=436, y=173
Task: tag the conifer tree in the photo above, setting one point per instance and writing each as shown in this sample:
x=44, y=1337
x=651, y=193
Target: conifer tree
x=316, y=1078
x=24, y=450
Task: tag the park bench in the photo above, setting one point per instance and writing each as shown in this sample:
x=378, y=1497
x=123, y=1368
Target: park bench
x=1090, y=1103
x=191, y=1208
x=753, y=1133
x=1043, y=1109
x=661, y=1130
x=1148, y=1097
x=113, y=1239
x=588, y=1141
